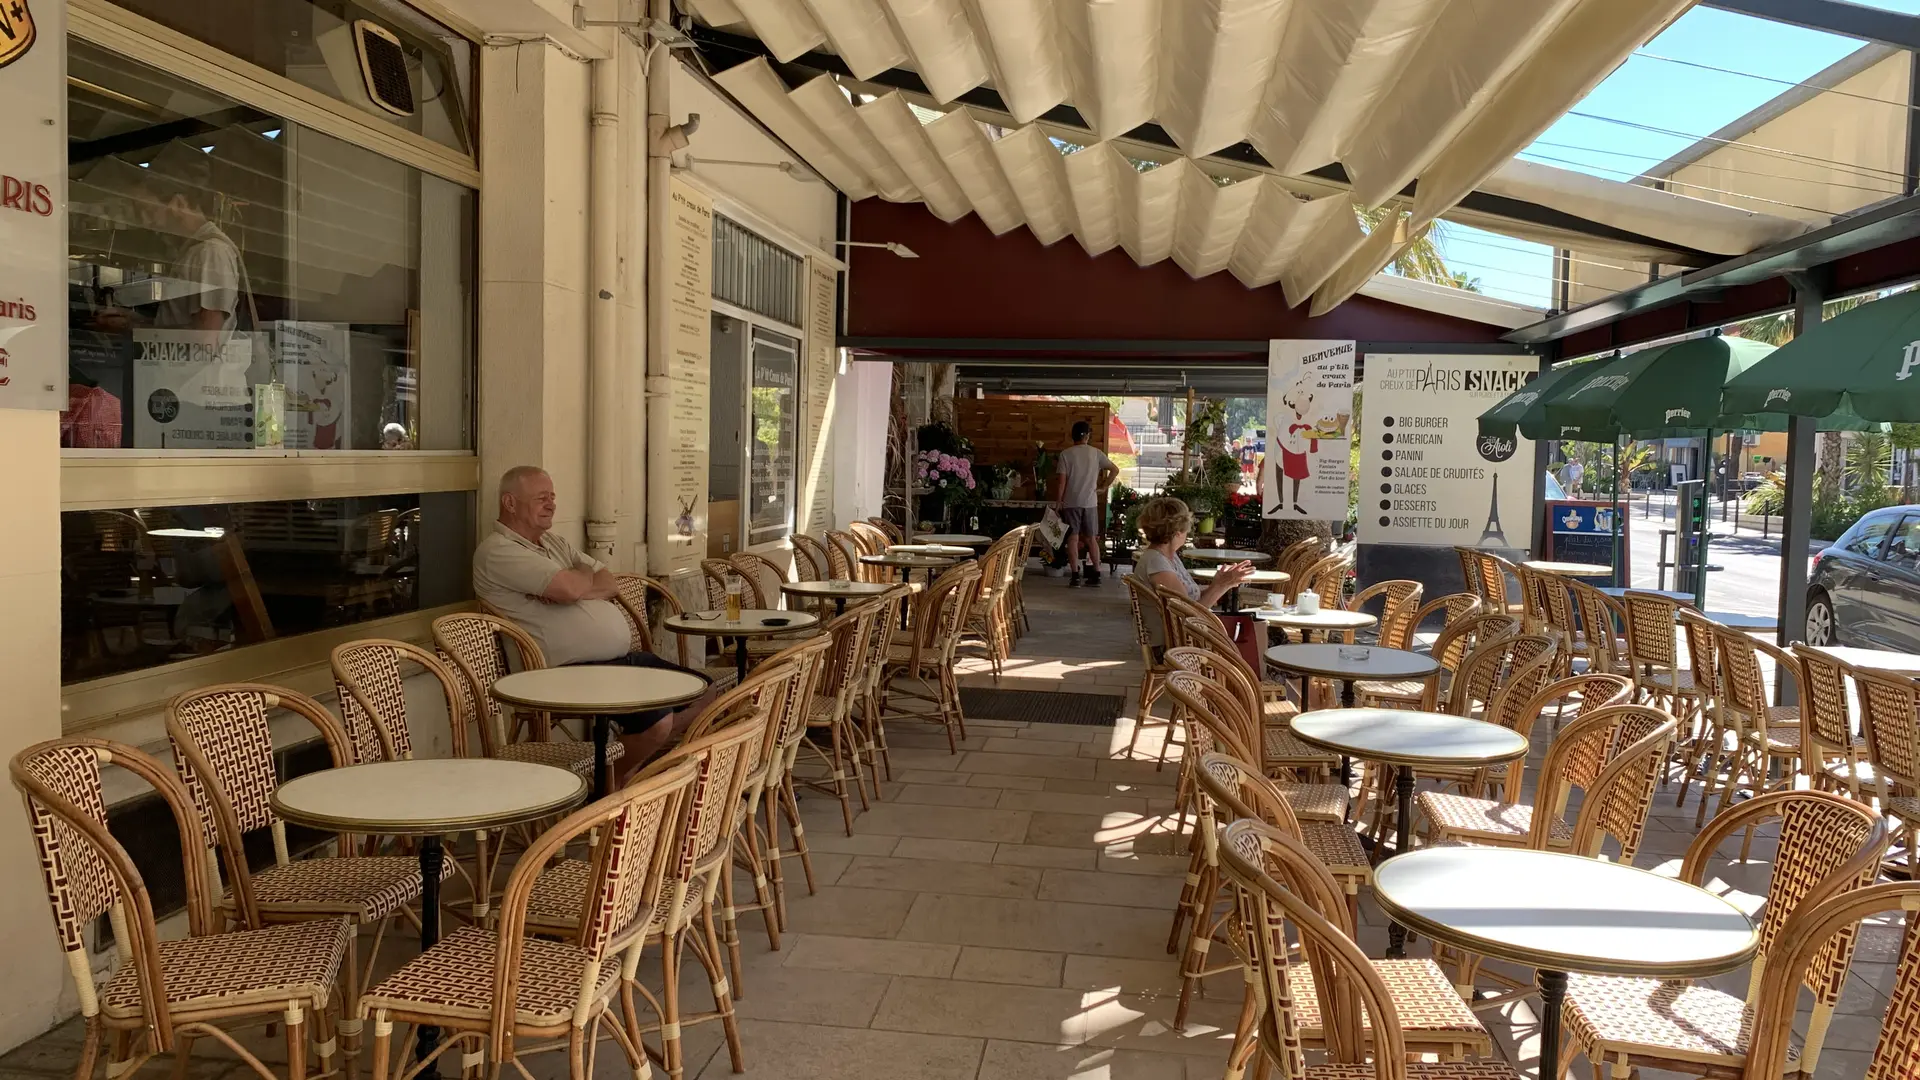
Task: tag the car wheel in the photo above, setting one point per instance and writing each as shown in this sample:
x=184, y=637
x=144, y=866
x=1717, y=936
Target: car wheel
x=1819, y=620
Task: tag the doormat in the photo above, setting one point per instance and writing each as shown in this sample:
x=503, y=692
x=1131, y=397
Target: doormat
x=1041, y=706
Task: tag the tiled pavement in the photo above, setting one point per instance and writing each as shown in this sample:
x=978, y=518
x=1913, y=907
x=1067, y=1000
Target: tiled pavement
x=1003, y=913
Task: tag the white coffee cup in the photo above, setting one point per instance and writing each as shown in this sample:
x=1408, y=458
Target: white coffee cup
x=1309, y=603
x=1276, y=601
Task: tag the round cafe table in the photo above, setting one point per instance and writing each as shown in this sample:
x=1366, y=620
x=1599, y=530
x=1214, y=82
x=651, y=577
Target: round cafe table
x=1370, y=662
x=961, y=539
x=1568, y=569
x=1557, y=913
x=1231, y=601
x=837, y=591
x=951, y=551
x=1880, y=659
x=753, y=623
x=907, y=563
x=1739, y=621
x=599, y=691
x=1223, y=556
x=1326, y=620
x=1617, y=592
x=1406, y=740
x=426, y=798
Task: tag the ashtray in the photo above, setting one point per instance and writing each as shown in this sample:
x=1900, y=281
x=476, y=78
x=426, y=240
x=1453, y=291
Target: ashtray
x=1352, y=652
x=775, y=622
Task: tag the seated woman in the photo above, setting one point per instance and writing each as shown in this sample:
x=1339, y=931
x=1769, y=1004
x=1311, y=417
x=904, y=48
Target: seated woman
x=1165, y=523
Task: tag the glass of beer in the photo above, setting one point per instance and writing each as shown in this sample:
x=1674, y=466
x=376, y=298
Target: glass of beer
x=733, y=600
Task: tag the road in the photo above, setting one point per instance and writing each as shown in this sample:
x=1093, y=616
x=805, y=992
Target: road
x=1750, y=579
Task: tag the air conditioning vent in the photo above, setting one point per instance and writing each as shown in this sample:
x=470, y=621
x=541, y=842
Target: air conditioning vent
x=383, y=64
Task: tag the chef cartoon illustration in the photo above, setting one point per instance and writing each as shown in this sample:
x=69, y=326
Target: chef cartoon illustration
x=1297, y=441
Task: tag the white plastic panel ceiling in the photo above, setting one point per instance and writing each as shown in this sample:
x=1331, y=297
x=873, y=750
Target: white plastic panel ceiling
x=1442, y=91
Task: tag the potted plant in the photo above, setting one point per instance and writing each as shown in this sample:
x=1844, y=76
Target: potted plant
x=999, y=479
x=948, y=480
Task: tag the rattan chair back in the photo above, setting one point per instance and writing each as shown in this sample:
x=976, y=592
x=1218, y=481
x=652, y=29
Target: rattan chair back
x=1828, y=844
x=1890, y=719
x=1741, y=690
x=1346, y=983
x=843, y=557
x=1211, y=713
x=1399, y=610
x=477, y=647
x=1229, y=669
x=637, y=595
x=1180, y=609
x=1494, y=571
x=1613, y=756
x=88, y=873
x=1327, y=579
x=810, y=561
x=1294, y=560
x=941, y=614
x=1700, y=636
x=1479, y=674
x=1470, y=571
x=634, y=833
x=368, y=678
x=1451, y=608
x=1799, y=951
x=1600, y=618
x=223, y=750
x=893, y=532
x=1533, y=597
x=1652, y=646
x=1531, y=665
x=763, y=577
x=1826, y=723
x=1148, y=613
x=1463, y=635
x=871, y=536
x=716, y=573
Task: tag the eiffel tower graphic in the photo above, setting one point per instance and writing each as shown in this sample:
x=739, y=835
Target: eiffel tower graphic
x=1493, y=531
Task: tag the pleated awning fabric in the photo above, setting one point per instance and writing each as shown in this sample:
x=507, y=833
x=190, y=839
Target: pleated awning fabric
x=1442, y=92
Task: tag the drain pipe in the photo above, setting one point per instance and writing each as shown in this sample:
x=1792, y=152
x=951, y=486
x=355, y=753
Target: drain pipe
x=659, y=396
x=603, y=313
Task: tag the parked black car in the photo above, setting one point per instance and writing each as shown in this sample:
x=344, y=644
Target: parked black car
x=1864, y=590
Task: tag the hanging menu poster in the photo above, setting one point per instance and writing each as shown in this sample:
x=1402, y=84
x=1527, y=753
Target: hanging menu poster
x=816, y=492
x=1426, y=475
x=33, y=208
x=678, y=533
x=1309, y=412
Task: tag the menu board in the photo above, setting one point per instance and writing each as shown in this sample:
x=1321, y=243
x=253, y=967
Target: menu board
x=1426, y=475
x=1309, y=413
x=33, y=207
x=678, y=540
x=815, y=511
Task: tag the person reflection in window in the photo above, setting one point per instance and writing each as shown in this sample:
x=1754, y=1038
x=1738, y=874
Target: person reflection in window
x=203, y=290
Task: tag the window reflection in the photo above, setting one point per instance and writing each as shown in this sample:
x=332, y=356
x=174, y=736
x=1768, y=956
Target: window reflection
x=148, y=586
x=770, y=450
x=238, y=281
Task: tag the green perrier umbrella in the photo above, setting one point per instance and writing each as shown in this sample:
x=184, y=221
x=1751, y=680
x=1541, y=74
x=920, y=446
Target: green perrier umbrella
x=1865, y=361
x=1668, y=392
x=1526, y=406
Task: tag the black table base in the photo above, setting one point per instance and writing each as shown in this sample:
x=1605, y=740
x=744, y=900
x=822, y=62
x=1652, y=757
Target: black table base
x=1553, y=995
x=432, y=860
x=1402, y=843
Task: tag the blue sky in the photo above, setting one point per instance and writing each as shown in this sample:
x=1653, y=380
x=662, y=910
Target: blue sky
x=1666, y=95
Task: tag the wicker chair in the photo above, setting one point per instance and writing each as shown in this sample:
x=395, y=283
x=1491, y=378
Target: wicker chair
x=1533, y=609
x=717, y=574
x=1831, y=755
x=1799, y=953
x=1399, y=607
x=843, y=558
x=1294, y=560
x=1653, y=654
x=1328, y=579
x=828, y=715
x=1149, y=614
x=498, y=992
x=1358, y=1015
x=992, y=616
x=1021, y=559
x=1763, y=733
x=810, y=560
x=871, y=536
x=638, y=595
x=1437, y=1021
x=1492, y=574
x=1606, y=650
x=1890, y=715
x=683, y=918
x=165, y=994
x=1828, y=845
x=1270, y=741
x=763, y=577
x=871, y=677
x=1704, y=738
x=921, y=668
x=1424, y=693
x=476, y=646
x=223, y=750
x=894, y=533
x=1470, y=572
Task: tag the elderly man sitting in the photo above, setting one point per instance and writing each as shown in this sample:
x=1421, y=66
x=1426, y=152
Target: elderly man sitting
x=565, y=599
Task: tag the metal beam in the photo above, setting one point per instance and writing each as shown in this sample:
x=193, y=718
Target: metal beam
x=1796, y=526
x=1242, y=153
x=1832, y=17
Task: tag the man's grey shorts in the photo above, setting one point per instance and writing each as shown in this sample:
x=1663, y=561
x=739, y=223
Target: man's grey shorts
x=1081, y=520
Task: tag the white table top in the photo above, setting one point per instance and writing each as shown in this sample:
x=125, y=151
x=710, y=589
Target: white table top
x=1564, y=912
x=1258, y=577
x=1408, y=737
x=1617, y=592
x=162, y=596
x=427, y=795
x=1880, y=659
x=754, y=622
x=953, y=538
x=835, y=588
x=915, y=562
x=954, y=550
x=1740, y=621
x=1568, y=569
x=599, y=688
x=1226, y=555
x=1380, y=663
x=1324, y=619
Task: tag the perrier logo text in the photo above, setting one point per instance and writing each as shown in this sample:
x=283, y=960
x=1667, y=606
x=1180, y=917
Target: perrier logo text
x=16, y=30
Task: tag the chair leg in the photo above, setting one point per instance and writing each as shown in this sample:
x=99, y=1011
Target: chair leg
x=1147, y=695
x=729, y=925
x=776, y=875
x=89, y=1050
x=670, y=1047
x=790, y=808
x=762, y=890
x=1193, y=959
x=383, y=1045
x=722, y=996
x=296, y=1019
x=1196, y=869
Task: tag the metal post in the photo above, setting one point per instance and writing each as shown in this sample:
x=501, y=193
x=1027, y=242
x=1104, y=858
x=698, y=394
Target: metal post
x=1613, y=514
x=1700, y=564
x=1796, y=521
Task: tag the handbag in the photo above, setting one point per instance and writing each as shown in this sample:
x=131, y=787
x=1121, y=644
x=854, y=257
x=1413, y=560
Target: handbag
x=1052, y=529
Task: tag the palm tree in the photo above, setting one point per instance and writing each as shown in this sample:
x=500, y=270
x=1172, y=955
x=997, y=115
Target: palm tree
x=1420, y=258
x=1831, y=457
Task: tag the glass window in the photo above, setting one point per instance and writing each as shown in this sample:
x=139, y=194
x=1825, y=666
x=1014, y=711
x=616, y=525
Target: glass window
x=770, y=451
x=234, y=277
x=754, y=273
x=1903, y=549
x=726, y=383
x=381, y=56
x=1868, y=534
x=149, y=586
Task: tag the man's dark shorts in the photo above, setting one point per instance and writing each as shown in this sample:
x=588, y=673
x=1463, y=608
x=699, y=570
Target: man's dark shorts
x=632, y=723
x=1081, y=520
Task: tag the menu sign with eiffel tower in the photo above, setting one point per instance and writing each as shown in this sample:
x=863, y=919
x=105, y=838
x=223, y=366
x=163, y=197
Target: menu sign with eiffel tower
x=1426, y=475
x=33, y=206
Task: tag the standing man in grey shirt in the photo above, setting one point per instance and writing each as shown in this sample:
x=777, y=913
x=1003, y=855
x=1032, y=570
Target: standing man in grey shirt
x=1082, y=474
